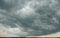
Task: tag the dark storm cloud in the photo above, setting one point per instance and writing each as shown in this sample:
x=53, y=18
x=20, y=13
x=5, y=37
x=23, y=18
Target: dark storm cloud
x=4, y=5
x=36, y=17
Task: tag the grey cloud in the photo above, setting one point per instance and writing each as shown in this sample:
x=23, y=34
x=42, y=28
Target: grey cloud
x=42, y=19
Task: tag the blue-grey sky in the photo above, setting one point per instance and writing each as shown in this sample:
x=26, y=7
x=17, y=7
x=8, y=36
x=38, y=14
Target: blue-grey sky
x=29, y=17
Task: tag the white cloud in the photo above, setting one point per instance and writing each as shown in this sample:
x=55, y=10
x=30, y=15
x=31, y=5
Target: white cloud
x=11, y=32
x=14, y=30
x=26, y=11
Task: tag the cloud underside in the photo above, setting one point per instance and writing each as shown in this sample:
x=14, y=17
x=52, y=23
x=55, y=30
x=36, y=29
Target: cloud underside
x=29, y=17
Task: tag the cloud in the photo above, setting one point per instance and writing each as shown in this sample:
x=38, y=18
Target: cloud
x=4, y=31
x=11, y=32
x=29, y=17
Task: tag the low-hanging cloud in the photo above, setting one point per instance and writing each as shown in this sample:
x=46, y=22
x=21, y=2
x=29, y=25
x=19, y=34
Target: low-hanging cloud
x=29, y=17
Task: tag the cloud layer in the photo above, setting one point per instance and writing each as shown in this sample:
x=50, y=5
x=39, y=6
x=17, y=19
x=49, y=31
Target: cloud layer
x=29, y=17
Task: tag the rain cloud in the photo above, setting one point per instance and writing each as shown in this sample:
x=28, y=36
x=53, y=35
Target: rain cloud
x=29, y=17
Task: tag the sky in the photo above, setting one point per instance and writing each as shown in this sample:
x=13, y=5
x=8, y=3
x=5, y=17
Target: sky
x=29, y=17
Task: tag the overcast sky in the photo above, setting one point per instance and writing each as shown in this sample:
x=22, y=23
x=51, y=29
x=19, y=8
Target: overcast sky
x=29, y=17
